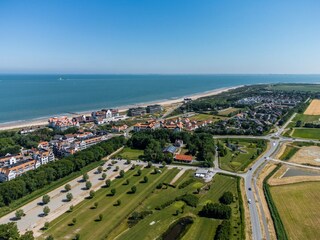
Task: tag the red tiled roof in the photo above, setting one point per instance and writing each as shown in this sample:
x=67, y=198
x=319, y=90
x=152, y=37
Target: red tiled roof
x=182, y=157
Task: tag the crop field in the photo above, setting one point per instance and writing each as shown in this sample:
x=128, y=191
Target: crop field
x=313, y=108
x=309, y=133
x=299, y=209
x=129, y=153
x=239, y=160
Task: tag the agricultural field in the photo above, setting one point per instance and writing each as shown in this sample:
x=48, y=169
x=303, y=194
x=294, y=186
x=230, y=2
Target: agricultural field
x=313, y=108
x=296, y=87
x=298, y=208
x=239, y=154
x=129, y=153
x=304, y=119
x=309, y=133
x=113, y=213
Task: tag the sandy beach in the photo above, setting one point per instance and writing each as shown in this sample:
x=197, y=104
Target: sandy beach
x=43, y=121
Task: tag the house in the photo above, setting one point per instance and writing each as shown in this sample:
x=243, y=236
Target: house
x=154, y=109
x=10, y=159
x=105, y=116
x=62, y=123
x=170, y=149
x=178, y=143
x=10, y=172
x=150, y=125
x=43, y=156
x=139, y=111
x=119, y=128
x=202, y=173
x=183, y=158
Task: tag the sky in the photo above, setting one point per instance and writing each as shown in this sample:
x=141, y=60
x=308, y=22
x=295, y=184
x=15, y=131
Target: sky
x=160, y=36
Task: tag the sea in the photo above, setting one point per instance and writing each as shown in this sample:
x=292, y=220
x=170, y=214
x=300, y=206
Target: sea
x=26, y=97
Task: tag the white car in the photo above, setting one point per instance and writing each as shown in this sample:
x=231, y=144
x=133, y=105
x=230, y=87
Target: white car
x=249, y=200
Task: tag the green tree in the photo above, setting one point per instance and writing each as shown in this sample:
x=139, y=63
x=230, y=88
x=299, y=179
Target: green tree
x=67, y=187
x=9, y=231
x=164, y=164
x=133, y=189
x=100, y=169
x=118, y=202
x=113, y=191
x=96, y=205
x=100, y=217
x=71, y=208
x=108, y=183
x=145, y=179
x=46, y=210
x=46, y=225
x=139, y=172
x=226, y=198
x=77, y=236
x=88, y=184
x=103, y=176
x=27, y=236
x=117, y=168
x=19, y=214
x=69, y=196
x=149, y=164
x=128, y=161
x=50, y=237
x=91, y=194
x=121, y=173
x=45, y=199
x=85, y=177
x=74, y=221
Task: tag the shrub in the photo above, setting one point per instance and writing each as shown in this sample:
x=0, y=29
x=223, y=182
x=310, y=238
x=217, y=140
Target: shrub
x=216, y=210
x=226, y=198
x=189, y=199
x=186, y=183
x=45, y=199
x=67, y=187
x=69, y=197
x=19, y=214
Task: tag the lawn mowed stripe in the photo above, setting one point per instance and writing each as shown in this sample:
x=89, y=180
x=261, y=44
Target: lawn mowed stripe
x=309, y=133
x=113, y=215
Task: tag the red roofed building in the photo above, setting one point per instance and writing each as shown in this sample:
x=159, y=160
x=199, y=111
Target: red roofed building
x=183, y=158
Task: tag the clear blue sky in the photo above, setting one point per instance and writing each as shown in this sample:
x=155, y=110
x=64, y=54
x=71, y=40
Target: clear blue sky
x=159, y=36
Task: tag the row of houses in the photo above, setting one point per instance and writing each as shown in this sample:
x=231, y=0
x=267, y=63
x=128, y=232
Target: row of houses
x=139, y=111
x=12, y=166
x=176, y=124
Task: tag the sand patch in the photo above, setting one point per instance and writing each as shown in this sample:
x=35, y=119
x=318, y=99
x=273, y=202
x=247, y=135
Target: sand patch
x=307, y=155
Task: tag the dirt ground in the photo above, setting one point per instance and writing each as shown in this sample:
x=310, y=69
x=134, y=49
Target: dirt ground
x=313, y=108
x=264, y=173
x=307, y=155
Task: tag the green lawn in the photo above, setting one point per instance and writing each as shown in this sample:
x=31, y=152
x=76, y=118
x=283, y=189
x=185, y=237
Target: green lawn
x=305, y=119
x=288, y=152
x=309, y=133
x=239, y=161
x=208, y=117
x=296, y=87
x=113, y=215
x=226, y=112
x=129, y=153
x=157, y=223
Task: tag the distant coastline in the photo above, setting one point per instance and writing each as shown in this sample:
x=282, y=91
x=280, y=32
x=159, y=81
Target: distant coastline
x=42, y=121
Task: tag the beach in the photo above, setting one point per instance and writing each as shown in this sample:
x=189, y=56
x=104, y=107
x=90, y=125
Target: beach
x=43, y=121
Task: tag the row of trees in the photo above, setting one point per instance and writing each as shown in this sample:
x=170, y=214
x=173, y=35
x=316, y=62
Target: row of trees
x=46, y=174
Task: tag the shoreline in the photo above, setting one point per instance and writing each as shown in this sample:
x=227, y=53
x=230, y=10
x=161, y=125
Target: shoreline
x=42, y=121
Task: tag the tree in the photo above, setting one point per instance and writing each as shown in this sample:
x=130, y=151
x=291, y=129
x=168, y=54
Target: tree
x=149, y=164
x=46, y=210
x=100, y=217
x=127, y=182
x=226, y=198
x=163, y=164
x=88, y=184
x=128, y=161
x=50, y=237
x=100, y=169
x=103, y=176
x=9, y=231
x=74, y=221
x=77, y=236
x=71, y=208
x=85, y=177
x=28, y=235
x=155, y=170
x=91, y=194
x=118, y=202
x=145, y=179
x=108, y=183
x=121, y=173
x=19, y=214
x=139, y=172
x=133, y=167
x=117, y=168
x=133, y=189
x=69, y=197
x=113, y=191
x=45, y=199
x=67, y=187
x=46, y=225
x=96, y=205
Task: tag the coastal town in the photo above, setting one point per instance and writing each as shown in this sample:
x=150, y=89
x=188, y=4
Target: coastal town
x=199, y=140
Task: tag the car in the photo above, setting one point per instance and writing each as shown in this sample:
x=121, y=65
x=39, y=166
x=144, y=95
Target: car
x=249, y=188
x=250, y=168
x=249, y=200
x=108, y=167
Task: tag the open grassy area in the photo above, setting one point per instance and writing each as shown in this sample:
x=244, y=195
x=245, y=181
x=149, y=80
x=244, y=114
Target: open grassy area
x=129, y=153
x=309, y=133
x=288, y=152
x=239, y=159
x=113, y=215
x=296, y=87
x=227, y=111
x=157, y=223
x=299, y=209
x=304, y=119
x=206, y=117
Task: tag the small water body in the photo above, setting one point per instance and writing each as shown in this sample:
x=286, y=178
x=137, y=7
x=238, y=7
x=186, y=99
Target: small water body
x=293, y=172
x=25, y=97
x=177, y=229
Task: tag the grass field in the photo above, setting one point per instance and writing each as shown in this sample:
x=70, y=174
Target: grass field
x=304, y=119
x=157, y=223
x=206, y=117
x=113, y=215
x=299, y=209
x=309, y=133
x=227, y=111
x=297, y=87
x=288, y=152
x=238, y=161
x=129, y=153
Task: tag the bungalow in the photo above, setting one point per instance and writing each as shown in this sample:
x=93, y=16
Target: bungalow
x=183, y=158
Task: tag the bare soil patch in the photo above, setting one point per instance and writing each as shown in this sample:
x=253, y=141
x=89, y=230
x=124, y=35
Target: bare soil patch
x=313, y=108
x=307, y=155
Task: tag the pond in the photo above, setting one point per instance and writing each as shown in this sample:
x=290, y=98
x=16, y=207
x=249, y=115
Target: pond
x=177, y=229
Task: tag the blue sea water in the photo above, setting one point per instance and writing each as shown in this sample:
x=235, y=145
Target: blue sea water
x=24, y=97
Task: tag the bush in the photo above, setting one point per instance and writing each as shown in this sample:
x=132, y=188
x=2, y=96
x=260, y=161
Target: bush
x=186, y=183
x=67, y=187
x=91, y=194
x=216, y=210
x=45, y=199
x=46, y=210
x=226, y=198
x=133, y=189
x=19, y=214
x=189, y=199
x=223, y=231
x=108, y=183
x=88, y=184
x=135, y=217
x=69, y=196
